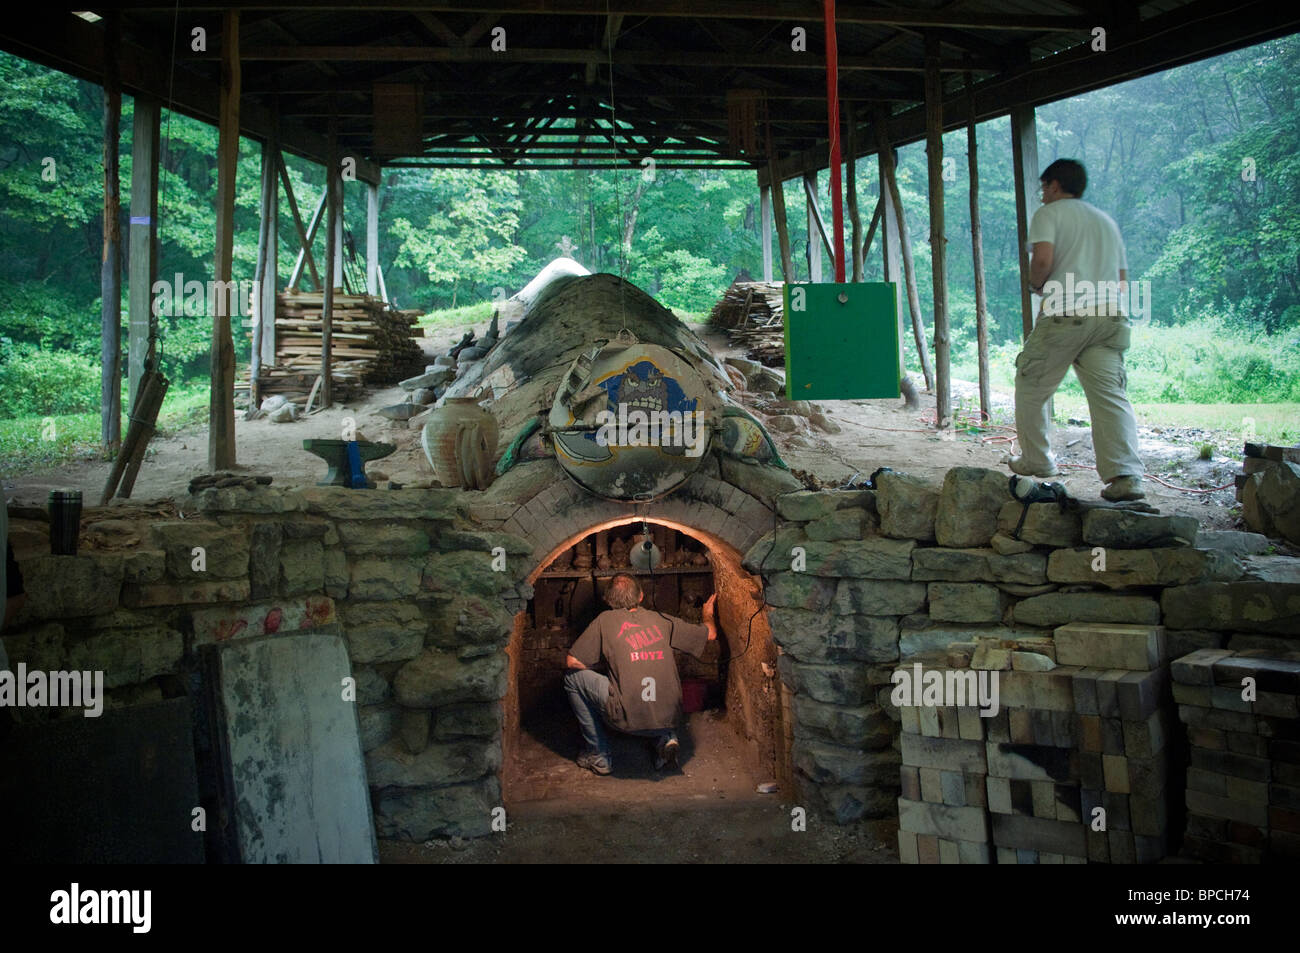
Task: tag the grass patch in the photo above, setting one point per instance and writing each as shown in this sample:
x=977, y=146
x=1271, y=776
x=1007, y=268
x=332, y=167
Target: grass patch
x=456, y=317
x=1273, y=423
x=33, y=443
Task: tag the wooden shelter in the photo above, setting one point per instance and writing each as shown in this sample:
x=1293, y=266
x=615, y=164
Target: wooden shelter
x=597, y=84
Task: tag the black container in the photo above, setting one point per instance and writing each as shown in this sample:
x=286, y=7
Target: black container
x=65, y=521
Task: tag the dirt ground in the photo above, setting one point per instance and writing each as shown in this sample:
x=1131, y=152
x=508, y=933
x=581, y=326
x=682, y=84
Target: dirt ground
x=706, y=811
x=875, y=433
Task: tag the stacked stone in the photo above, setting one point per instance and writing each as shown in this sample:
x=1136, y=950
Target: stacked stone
x=942, y=811
x=1243, y=782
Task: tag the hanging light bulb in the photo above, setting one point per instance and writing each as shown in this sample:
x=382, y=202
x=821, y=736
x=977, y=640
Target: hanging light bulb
x=645, y=554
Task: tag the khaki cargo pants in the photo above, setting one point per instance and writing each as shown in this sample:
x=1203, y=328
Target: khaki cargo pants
x=1095, y=346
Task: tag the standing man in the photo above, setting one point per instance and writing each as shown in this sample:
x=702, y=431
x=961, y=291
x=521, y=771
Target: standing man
x=642, y=694
x=1079, y=266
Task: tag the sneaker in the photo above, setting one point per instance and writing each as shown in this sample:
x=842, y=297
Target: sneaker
x=595, y=762
x=1123, y=488
x=1017, y=465
x=666, y=756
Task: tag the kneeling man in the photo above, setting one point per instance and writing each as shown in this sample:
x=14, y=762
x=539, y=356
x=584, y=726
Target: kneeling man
x=642, y=694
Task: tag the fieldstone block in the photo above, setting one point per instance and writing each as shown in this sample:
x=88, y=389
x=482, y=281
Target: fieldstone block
x=467, y=721
x=1127, y=529
x=416, y=814
x=876, y=597
x=225, y=549
x=334, y=563
x=936, y=564
x=1278, y=495
x=460, y=573
x=302, y=566
x=1045, y=524
x=384, y=579
x=908, y=507
x=966, y=602
x=63, y=586
x=413, y=729
x=374, y=537
x=435, y=678
x=822, y=637
x=806, y=505
x=185, y=593
x=1097, y=645
x=438, y=765
x=843, y=684
x=832, y=764
x=1140, y=567
x=1059, y=608
x=384, y=631
x=762, y=482
x=1031, y=662
x=372, y=688
x=376, y=723
x=1234, y=606
x=799, y=590
x=1006, y=546
x=1232, y=541
x=969, y=504
x=264, y=560
x=341, y=503
x=863, y=726
x=852, y=523
x=130, y=656
x=144, y=566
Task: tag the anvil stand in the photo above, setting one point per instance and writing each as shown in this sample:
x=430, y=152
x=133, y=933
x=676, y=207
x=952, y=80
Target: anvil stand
x=347, y=460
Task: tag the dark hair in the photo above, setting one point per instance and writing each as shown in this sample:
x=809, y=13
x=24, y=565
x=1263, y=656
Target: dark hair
x=624, y=592
x=1071, y=175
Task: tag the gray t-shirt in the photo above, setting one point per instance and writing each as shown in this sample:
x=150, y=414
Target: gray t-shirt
x=638, y=644
x=1087, y=256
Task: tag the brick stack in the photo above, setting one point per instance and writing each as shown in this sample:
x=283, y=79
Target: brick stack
x=942, y=812
x=1122, y=737
x=1033, y=784
x=1068, y=738
x=1243, y=782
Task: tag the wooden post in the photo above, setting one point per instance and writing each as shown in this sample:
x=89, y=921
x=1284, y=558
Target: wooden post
x=260, y=315
x=221, y=400
x=331, y=240
x=851, y=186
x=271, y=273
x=938, y=243
x=782, y=228
x=904, y=242
x=891, y=245
x=977, y=253
x=1024, y=163
x=814, y=225
x=305, y=236
x=372, y=239
x=110, y=267
x=143, y=238
x=765, y=227
x=871, y=229
x=340, y=276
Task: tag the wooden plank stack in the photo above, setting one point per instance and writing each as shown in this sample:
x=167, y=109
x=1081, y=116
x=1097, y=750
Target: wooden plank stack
x=372, y=344
x=751, y=312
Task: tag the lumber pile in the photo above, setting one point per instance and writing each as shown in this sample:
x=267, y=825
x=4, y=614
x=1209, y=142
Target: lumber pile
x=372, y=344
x=752, y=314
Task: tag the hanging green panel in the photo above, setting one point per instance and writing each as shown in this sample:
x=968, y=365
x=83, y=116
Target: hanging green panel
x=841, y=341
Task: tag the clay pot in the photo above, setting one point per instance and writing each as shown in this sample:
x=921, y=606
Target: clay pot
x=460, y=442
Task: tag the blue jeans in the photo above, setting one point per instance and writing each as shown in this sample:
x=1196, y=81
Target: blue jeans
x=587, y=691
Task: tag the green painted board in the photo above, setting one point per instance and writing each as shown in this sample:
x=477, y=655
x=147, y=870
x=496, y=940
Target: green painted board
x=841, y=350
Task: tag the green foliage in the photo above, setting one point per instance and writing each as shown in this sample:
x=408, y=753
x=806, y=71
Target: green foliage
x=46, y=382
x=458, y=317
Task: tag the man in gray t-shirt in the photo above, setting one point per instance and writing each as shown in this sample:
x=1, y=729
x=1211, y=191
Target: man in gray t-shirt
x=642, y=694
x=1079, y=267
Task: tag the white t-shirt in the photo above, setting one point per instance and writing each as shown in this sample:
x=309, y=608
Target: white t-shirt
x=1087, y=256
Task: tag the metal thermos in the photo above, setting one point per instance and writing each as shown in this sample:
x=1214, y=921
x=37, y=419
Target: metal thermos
x=65, y=521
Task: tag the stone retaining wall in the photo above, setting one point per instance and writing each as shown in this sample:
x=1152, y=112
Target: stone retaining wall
x=425, y=584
